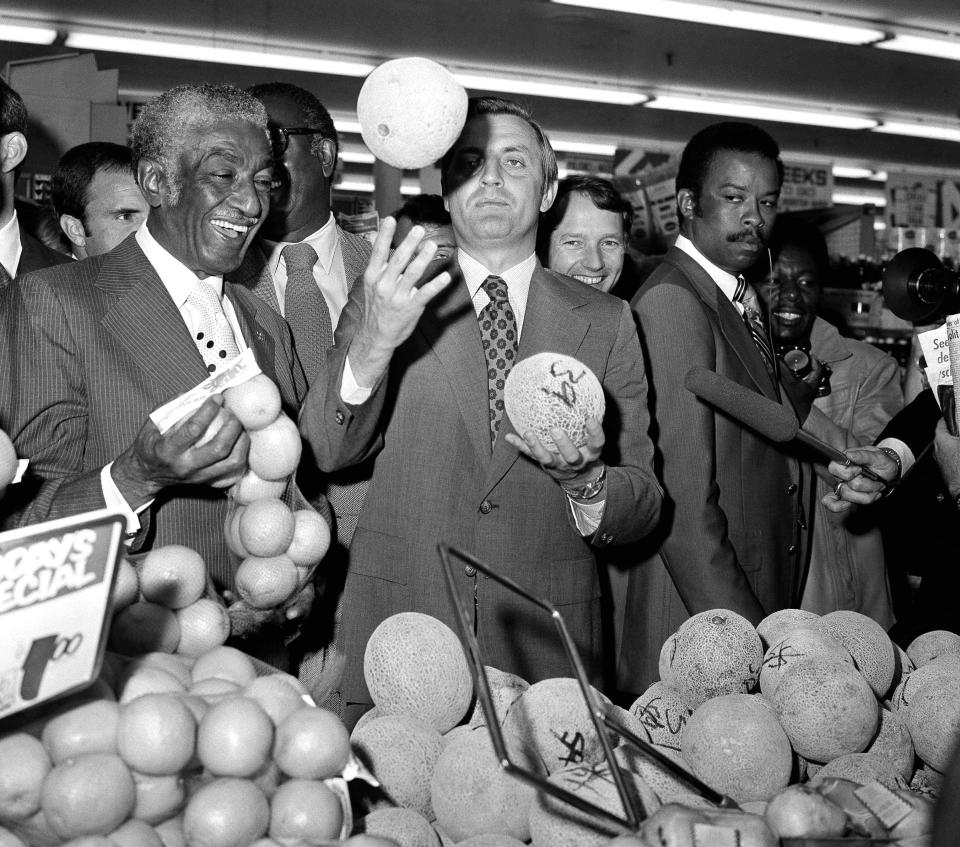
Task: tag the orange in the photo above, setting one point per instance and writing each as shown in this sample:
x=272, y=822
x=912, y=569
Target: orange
x=158, y=797
x=226, y=813
x=255, y=402
x=24, y=764
x=127, y=586
x=196, y=704
x=143, y=628
x=225, y=663
x=203, y=626
x=267, y=582
x=279, y=695
x=173, y=576
x=214, y=688
x=156, y=734
x=89, y=727
x=311, y=743
x=307, y=810
x=251, y=487
x=136, y=833
x=275, y=449
x=8, y=461
x=267, y=778
x=231, y=531
x=311, y=538
x=173, y=664
x=235, y=737
x=266, y=527
x=148, y=680
x=89, y=795
x=171, y=832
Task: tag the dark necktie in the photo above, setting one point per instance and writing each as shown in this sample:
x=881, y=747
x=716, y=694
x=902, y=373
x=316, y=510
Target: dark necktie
x=305, y=308
x=752, y=317
x=214, y=335
x=5, y=278
x=498, y=331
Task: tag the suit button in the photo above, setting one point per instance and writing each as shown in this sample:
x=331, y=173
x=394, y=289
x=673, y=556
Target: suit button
x=470, y=570
x=792, y=548
x=486, y=507
x=940, y=498
x=792, y=488
x=339, y=418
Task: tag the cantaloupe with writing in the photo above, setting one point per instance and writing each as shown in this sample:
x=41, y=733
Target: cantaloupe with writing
x=798, y=645
x=551, y=390
x=714, y=652
x=826, y=708
x=411, y=110
x=868, y=643
x=662, y=713
x=736, y=745
x=415, y=664
x=777, y=624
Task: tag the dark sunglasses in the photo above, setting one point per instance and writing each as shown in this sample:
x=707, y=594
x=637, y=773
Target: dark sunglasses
x=280, y=136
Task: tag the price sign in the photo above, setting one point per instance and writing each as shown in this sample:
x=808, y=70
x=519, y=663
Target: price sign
x=56, y=579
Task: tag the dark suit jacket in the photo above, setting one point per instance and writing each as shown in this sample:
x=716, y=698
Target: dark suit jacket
x=434, y=478
x=35, y=255
x=95, y=346
x=730, y=536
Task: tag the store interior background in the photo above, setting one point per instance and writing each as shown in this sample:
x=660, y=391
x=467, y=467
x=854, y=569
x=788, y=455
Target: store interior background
x=871, y=191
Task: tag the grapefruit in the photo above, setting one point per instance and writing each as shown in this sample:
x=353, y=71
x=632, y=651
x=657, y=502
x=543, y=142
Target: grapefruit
x=89, y=795
x=275, y=450
x=88, y=727
x=251, y=487
x=225, y=813
x=305, y=810
x=24, y=764
x=235, y=738
x=266, y=527
x=204, y=625
x=224, y=663
x=126, y=589
x=311, y=743
x=144, y=627
x=8, y=459
x=156, y=734
x=267, y=582
x=311, y=538
x=256, y=402
x=173, y=576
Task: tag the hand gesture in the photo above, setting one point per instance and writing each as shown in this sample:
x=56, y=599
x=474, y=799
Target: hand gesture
x=572, y=467
x=852, y=486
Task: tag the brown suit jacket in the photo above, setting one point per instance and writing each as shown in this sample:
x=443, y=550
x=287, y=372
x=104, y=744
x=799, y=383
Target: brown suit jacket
x=731, y=535
x=435, y=479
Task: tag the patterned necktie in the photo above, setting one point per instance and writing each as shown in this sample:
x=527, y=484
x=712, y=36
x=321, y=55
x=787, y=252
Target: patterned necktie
x=5, y=278
x=498, y=331
x=752, y=317
x=305, y=308
x=214, y=337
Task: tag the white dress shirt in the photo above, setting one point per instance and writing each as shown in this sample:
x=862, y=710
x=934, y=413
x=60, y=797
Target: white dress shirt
x=10, y=247
x=726, y=282
x=329, y=271
x=179, y=281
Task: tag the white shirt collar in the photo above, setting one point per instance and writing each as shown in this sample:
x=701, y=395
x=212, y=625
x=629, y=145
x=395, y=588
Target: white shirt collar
x=725, y=281
x=10, y=247
x=517, y=278
x=178, y=279
x=324, y=241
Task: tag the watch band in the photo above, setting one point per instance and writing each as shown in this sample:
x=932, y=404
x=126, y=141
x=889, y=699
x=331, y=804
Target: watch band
x=591, y=489
x=893, y=454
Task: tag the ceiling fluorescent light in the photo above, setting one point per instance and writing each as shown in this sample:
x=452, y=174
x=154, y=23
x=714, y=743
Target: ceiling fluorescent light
x=859, y=198
x=848, y=172
x=200, y=52
x=587, y=148
x=356, y=158
x=557, y=90
x=27, y=34
x=351, y=126
x=941, y=48
x=709, y=106
x=367, y=186
x=940, y=133
x=820, y=28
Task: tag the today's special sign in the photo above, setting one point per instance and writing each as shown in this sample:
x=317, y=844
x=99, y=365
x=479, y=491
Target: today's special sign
x=56, y=580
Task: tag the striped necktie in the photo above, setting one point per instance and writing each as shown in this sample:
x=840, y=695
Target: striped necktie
x=753, y=318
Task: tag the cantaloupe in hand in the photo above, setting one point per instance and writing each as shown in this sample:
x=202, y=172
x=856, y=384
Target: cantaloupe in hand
x=931, y=709
x=415, y=664
x=868, y=643
x=798, y=645
x=736, y=745
x=714, y=652
x=411, y=110
x=550, y=390
x=662, y=713
x=826, y=708
x=472, y=794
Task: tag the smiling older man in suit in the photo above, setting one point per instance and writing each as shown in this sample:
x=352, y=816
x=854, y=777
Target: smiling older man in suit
x=97, y=345
x=413, y=386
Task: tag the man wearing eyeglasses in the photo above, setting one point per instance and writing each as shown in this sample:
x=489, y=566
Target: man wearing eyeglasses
x=300, y=238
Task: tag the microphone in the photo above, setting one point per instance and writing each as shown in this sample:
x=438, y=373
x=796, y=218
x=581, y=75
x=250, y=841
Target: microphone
x=756, y=412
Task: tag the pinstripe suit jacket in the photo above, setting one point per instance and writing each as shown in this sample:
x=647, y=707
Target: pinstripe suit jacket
x=94, y=347
x=435, y=479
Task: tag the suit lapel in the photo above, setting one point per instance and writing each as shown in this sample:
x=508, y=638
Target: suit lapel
x=550, y=324
x=731, y=324
x=254, y=275
x=145, y=321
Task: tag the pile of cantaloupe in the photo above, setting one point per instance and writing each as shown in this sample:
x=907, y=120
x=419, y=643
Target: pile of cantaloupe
x=815, y=726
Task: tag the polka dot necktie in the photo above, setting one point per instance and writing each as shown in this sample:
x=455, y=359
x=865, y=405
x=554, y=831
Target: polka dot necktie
x=305, y=308
x=214, y=335
x=753, y=318
x=498, y=331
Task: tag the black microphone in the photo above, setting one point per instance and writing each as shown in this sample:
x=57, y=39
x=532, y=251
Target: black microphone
x=758, y=413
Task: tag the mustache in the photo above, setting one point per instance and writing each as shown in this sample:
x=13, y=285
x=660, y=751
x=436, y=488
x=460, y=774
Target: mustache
x=748, y=235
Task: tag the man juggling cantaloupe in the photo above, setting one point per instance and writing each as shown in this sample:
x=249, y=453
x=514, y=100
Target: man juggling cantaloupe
x=415, y=385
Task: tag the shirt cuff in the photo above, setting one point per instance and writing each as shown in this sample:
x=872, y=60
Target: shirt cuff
x=587, y=516
x=116, y=502
x=351, y=393
x=907, y=458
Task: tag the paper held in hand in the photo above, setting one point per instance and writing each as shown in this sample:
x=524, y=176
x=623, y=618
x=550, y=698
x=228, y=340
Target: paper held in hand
x=237, y=371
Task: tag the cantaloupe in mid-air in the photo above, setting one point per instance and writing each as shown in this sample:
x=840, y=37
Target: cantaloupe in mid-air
x=415, y=664
x=551, y=390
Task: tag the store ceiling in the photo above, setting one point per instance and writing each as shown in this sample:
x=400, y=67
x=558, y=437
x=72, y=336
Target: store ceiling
x=553, y=41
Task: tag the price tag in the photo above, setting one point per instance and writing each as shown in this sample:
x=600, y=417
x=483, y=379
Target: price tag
x=56, y=580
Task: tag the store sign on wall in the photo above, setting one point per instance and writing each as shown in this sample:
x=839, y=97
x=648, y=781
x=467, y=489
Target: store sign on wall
x=56, y=579
x=806, y=186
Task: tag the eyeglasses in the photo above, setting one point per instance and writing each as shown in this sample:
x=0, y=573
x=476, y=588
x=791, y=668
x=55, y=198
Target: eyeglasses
x=280, y=136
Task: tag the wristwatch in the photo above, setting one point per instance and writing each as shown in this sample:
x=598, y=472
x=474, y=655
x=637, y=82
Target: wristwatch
x=591, y=489
x=893, y=454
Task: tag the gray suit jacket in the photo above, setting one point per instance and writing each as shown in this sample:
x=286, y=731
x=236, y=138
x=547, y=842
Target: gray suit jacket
x=94, y=347
x=435, y=479
x=731, y=535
